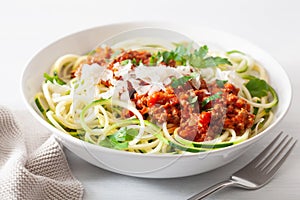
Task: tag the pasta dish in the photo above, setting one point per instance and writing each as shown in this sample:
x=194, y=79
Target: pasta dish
x=157, y=100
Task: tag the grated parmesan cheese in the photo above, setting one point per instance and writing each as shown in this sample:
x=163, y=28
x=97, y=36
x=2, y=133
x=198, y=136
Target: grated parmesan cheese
x=143, y=79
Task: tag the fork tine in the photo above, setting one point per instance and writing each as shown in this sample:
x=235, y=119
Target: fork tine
x=278, y=163
x=276, y=150
x=253, y=177
x=265, y=152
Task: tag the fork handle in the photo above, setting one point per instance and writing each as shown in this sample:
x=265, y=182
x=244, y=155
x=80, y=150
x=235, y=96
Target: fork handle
x=212, y=189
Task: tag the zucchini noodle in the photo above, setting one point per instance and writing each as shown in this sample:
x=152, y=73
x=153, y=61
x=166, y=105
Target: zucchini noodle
x=126, y=104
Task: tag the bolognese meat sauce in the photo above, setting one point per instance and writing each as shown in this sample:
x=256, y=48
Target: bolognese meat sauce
x=198, y=116
x=195, y=121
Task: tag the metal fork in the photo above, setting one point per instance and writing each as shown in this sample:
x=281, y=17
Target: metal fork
x=260, y=170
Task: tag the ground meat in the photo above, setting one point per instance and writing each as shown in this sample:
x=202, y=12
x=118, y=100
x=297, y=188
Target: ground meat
x=183, y=107
x=103, y=56
x=228, y=111
x=138, y=56
x=100, y=56
x=160, y=106
x=195, y=121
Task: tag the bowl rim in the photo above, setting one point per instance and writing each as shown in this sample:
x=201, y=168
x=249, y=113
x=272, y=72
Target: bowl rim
x=160, y=24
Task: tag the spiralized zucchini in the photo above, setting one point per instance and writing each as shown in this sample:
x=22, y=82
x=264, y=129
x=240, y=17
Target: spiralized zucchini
x=84, y=107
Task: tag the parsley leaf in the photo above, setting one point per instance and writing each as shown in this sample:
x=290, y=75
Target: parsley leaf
x=211, y=98
x=196, y=61
x=152, y=60
x=257, y=87
x=134, y=62
x=124, y=62
x=120, y=139
x=260, y=88
x=181, y=51
x=171, y=55
x=167, y=56
x=125, y=134
x=178, y=55
x=202, y=52
x=199, y=59
x=221, y=83
x=215, y=61
x=54, y=78
x=182, y=80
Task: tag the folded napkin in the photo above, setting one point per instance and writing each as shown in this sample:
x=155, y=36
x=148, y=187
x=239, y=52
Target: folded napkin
x=32, y=162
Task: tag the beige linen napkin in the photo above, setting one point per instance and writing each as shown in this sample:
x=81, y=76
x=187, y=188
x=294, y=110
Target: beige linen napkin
x=32, y=162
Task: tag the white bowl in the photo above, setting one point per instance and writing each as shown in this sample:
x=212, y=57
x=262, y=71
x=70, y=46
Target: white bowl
x=141, y=165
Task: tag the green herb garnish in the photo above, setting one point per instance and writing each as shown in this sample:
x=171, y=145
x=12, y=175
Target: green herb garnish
x=221, y=83
x=54, y=78
x=152, y=60
x=211, y=98
x=134, y=62
x=178, y=55
x=257, y=87
x=182, y=80
x=199, y=59
x=260, y=88
x=125, y=134
x=120, y=139
x=124, y=62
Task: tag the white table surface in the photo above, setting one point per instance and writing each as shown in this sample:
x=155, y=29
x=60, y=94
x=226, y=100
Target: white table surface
x=27, y=26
